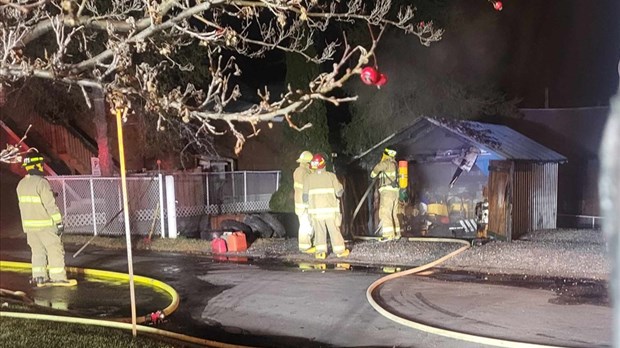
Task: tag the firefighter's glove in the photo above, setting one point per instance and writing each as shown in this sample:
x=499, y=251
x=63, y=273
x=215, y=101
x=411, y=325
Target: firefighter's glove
x=60, y=229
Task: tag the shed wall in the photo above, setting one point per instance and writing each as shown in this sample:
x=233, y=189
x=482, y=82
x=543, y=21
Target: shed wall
x=535, y=197
x=500, y=199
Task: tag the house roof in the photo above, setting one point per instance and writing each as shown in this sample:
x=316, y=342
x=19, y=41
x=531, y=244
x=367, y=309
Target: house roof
x=498, y=139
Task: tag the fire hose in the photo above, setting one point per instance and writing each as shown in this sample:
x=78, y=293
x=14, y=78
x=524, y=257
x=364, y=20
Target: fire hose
x=119, y=323
x=359, y=205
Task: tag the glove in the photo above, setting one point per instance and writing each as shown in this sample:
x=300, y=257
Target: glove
x=60, y=228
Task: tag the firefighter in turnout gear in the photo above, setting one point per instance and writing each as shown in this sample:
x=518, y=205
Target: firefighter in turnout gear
x=322, y=191
x=386, y=169
x=301, y=209
x=42, y=223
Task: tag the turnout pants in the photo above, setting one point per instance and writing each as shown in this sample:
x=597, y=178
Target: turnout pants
x=388, y=209
x=305, y=232
x=48, y=255
x=321, y=227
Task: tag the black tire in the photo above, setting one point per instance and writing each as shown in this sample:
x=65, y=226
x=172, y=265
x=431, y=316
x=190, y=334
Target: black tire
x=205, y=223
x=258, y=225
x=234, y=225
x=278, y=229
x=210, y=235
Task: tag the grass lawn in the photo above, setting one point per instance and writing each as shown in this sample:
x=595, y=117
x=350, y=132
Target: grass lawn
x=196, y=246
x=15, y=332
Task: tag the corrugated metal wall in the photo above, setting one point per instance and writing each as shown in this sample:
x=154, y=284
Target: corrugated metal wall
x=535, y=197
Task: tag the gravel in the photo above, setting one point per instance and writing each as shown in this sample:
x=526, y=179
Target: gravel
x=567, y=253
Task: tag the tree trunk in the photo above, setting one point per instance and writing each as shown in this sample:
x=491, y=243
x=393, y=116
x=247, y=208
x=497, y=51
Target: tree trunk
x=101, y=126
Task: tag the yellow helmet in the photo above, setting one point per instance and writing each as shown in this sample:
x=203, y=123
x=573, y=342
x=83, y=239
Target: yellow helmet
x=305, y=157
x=32, y=159
x=388, y=153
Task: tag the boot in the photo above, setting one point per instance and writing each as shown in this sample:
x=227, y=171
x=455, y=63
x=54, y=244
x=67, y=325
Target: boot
x=35, y=281
x=320, y=255
x=310, y=250
x=345, y=253
x=65, y=283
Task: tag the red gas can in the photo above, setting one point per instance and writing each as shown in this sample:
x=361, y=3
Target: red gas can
x=218, y=246
x=236, y=242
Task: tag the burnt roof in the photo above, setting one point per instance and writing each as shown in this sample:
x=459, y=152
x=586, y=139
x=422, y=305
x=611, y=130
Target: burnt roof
x=498, y=139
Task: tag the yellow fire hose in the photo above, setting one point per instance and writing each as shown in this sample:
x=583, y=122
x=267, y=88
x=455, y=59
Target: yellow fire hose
x=431, y=329
x=174, y=304
x=122, y=323
x=119, y=325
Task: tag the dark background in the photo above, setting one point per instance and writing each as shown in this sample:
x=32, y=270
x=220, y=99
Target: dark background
x=569, y=47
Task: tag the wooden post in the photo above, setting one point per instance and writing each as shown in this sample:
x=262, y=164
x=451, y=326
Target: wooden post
x=121, y=153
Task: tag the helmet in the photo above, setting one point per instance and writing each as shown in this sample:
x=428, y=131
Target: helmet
x=389, y=152
x=32, y=159
x=305, y=157
x=318, y=162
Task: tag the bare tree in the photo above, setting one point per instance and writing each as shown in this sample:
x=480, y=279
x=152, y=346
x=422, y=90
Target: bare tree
x=14, y=153
x=126, y=47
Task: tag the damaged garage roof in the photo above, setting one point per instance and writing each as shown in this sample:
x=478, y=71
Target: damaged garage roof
x=498, y=139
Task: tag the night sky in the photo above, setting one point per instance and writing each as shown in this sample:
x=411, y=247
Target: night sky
x=571, y=47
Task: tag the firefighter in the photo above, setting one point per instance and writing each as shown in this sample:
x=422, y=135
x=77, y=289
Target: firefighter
x=301, y=210
x=388, y=195
x=42, y=223
x=482, y=215
x=322, y=191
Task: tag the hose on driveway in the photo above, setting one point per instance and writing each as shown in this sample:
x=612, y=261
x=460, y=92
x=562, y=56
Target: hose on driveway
x=432, y=329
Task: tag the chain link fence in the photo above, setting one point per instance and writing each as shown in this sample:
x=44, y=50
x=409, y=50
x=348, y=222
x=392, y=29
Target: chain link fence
x=93, y=205
x=226, y=192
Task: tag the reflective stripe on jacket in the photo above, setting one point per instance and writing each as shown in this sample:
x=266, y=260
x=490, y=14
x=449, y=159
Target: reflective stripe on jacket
x=37, y=204
x=386, y=170
x=299, y=175
x=322, y=189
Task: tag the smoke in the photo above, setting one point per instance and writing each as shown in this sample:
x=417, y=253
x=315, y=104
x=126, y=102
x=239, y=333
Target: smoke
x=452, y=78
x=470, y=53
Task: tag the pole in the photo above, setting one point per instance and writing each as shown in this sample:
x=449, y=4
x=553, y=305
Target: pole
x=245, y=187
x=92, y=203
x=172, y=207
x=121, y=152
x=161, y=206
